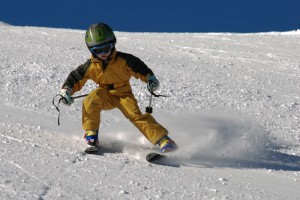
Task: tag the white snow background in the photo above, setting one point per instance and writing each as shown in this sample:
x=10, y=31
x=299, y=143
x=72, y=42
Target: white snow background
x=233, y=110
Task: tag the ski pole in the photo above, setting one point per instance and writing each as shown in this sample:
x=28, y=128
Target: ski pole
x=149, y=109
x=60, y=99
x=80, y=96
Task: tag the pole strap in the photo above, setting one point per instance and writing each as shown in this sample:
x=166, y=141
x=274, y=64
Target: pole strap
x=57, y=106
x=61, y=99
x=157, y=95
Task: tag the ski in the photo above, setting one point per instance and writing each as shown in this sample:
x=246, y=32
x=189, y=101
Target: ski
x=153, y=157
x=91, y=150
x=162, y=159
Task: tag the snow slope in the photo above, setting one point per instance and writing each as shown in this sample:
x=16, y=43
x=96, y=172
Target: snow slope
x=233, y=110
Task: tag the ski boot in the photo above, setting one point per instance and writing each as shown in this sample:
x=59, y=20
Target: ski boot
x=166, y=144
x=91, y=138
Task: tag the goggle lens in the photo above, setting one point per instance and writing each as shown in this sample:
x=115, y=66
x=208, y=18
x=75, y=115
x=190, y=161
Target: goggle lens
x=103, y=49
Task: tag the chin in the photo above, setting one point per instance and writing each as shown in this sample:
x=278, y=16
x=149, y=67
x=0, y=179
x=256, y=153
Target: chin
x=102, y=57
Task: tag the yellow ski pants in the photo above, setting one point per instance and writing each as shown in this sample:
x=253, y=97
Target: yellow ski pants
x=103, y=99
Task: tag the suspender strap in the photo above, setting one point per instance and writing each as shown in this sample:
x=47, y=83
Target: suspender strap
x=114, y=86
x=110, y=86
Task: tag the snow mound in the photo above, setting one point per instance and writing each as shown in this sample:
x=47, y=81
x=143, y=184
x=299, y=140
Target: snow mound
x=4, y=24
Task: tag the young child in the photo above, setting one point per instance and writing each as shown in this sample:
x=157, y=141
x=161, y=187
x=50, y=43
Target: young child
x=112, y=70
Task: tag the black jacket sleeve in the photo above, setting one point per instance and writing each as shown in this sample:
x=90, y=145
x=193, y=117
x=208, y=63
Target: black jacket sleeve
x=77, y=75
x=135, y=64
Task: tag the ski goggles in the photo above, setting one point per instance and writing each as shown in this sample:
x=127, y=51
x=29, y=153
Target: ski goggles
x=101, y=49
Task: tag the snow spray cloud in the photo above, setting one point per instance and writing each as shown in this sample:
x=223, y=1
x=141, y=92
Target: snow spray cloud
x=217, y=136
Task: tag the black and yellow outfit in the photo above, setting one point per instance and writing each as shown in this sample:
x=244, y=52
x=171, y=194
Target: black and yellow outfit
x=114, y=91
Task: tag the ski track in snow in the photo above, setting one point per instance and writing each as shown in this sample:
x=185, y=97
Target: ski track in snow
x=233, y=111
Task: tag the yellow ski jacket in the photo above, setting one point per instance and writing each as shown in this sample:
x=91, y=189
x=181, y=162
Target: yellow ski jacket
x=113, y=74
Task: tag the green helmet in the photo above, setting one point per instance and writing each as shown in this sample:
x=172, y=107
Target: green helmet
x=98, y=34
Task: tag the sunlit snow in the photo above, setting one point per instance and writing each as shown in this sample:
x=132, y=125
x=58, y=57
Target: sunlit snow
x=233, y=110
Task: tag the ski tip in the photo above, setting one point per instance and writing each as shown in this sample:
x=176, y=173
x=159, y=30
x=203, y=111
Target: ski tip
x=91, y=150
x=150, y=157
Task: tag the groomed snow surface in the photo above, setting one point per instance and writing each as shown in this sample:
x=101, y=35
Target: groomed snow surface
x=233, y=110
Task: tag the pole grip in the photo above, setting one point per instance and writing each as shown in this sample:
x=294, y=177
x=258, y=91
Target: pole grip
x=149, y=109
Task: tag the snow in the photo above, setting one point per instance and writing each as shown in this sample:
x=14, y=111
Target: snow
x=233, y=110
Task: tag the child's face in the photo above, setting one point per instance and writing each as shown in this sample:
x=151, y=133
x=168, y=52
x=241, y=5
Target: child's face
x=103, y=56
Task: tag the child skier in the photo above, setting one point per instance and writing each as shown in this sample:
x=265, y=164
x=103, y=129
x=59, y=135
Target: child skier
x=112, y=70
